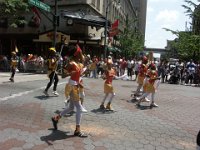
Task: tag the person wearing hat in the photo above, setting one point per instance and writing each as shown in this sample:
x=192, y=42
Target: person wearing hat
x=141, y=75
x=108, y=76
x=13, y=65
x=52, y=74
x=72, y=89
x=150, y=85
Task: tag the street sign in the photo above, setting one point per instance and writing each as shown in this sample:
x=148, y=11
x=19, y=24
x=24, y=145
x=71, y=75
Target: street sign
x=40, y=5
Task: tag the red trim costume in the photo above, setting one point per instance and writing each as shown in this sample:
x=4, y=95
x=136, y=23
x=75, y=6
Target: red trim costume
x=109, y=74
x=149, y=86
x=72, y=89
x=142, y=73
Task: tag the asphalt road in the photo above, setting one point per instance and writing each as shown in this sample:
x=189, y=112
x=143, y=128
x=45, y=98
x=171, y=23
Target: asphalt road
x=25, y=118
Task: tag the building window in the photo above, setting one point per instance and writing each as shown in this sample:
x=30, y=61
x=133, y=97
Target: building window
x=98, y=4
x=93, y=2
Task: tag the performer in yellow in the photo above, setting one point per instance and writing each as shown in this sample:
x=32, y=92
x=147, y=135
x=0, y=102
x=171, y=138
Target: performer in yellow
x=52, y=74
x=72, y=89
x=13, y=65
x=141, y=75
x=150, y=86
x=68, y=88
x=109, y=74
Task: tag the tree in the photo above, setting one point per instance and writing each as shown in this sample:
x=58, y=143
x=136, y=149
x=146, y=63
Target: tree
x=187, y=43
x=131, y=39
x=13, y=9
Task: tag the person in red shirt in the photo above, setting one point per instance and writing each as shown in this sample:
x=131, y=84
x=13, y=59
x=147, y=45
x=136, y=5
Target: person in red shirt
x=141, y=75
x=109, y=74
x=149, y=86
x=72, y=89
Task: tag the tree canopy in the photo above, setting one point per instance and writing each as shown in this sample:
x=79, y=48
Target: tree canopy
x=187, y=43
x=131, y=39
x=13, y=10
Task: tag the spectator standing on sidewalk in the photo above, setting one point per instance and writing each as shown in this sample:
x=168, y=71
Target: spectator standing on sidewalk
x=52, y=64
x=136, y=69
x=130, y=69
x=72, y=89
x=13, y=65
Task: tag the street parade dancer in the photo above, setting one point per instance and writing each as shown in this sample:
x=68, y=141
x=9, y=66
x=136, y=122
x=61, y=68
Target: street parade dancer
x=141, y=76
x=52, y=64
x=81, y=87
x=72, y=89
x=150, y=85
x=13, y=65
x=109, y=74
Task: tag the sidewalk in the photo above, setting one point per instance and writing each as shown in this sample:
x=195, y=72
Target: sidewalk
x=21, y=77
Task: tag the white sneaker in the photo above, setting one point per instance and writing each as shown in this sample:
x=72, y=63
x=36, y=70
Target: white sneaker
x=45, y=93
x=154, y=105
x=66, y=103
x=137, y=98
x=55, y=93
x=83, y=110
x=145, y=100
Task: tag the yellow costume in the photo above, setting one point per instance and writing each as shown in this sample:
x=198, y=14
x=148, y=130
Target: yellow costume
x=149, y=84
x=108, y=88
x=72, y=88
x=52, y=64
x=142, y=73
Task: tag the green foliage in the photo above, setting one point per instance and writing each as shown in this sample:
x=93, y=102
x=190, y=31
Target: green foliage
x=187, y=44
x=131, y=39
x=14, y=9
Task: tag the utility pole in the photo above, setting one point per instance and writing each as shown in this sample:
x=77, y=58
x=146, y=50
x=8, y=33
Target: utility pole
x=55, y=23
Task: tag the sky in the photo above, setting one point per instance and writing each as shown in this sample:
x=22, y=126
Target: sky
x=164, y=14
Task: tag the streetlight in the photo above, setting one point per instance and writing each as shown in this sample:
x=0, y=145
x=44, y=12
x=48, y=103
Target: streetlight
x=106, y=25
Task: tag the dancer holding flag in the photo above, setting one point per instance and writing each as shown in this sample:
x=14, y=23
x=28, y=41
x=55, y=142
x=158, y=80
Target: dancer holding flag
x=72, y=89
x=14, y=63
x=52, y=74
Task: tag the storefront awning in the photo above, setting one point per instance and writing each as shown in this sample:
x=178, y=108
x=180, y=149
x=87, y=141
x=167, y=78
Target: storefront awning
x=81, y=18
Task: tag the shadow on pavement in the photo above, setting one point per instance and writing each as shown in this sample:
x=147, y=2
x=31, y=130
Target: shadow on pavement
x=66, y=115
x=54, y=136
x=102, y=111
x=143, y=107
x=43, y=97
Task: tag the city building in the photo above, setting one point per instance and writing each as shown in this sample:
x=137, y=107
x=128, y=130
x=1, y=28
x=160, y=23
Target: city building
x=78, y=21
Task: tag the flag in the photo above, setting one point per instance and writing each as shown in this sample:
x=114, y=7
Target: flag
x=36, y=17
x=16, y=49
x=114, y=28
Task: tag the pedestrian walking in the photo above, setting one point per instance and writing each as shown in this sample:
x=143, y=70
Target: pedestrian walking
x=13, y=65
x=72, y=89
x=52, y=64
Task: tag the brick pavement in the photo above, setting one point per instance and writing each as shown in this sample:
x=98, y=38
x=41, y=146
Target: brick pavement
x=25, y=122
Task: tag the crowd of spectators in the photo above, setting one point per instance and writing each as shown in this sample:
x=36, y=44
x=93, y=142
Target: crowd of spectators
x=173, y=72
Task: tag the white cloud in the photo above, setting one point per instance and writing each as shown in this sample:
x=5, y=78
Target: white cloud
x=168, y=16
x=149, y=10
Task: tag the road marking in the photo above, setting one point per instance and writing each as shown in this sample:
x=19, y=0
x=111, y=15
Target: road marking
x=24, y=93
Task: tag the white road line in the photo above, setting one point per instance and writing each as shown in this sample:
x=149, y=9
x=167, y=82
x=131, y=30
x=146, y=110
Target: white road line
x=24, y=93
